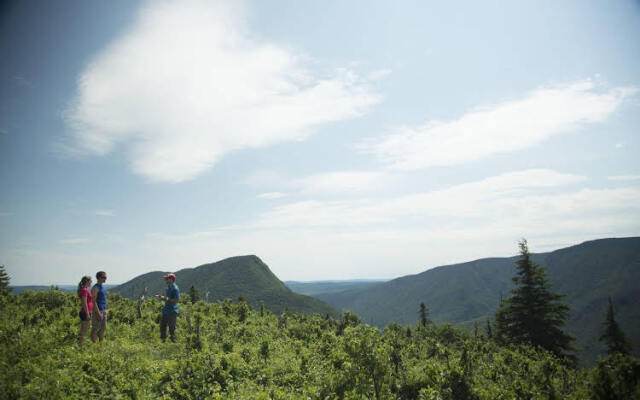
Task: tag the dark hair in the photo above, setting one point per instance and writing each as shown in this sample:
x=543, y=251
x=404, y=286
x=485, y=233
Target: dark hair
x=100, y=274
x=83, y=282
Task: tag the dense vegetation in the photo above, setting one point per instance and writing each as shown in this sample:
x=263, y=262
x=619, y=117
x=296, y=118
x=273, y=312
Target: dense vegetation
x=245, y=276
x=469, y=293
x=228, y=350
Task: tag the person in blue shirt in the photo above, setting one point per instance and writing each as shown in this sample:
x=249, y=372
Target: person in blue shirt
x=99, y=315
x=170, y=309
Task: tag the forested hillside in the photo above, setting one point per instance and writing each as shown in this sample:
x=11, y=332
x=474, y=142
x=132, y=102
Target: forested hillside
x=225, y=350
x=469, y=293
x=245, y=276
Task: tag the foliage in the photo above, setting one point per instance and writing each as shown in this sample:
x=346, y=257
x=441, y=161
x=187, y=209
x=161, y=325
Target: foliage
x=227, y=351
x=467, y=292
x=533, y=314
x=194, y=294
x=613, y=335
x=424, y=314
x=5, y=290
x=616, y=378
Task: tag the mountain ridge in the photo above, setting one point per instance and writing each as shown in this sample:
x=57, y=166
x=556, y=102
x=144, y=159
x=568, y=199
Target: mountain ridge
x=469, y=292
x=247, y=276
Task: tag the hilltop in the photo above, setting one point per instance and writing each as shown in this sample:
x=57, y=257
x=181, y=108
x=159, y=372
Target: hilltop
x=245, y=276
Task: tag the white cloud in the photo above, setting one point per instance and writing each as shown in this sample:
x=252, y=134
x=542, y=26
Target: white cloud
x=340, y=240
x=498, y=128
x=489, y=198
x=75, y=240
x=189, y=83
x=271, y=195
x=624, y=177
x=342, y=182
x=619, y=145
x=105, y=213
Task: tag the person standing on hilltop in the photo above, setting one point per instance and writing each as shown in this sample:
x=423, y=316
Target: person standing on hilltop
x=99, y=317
x=86, y=306
x=170, y=309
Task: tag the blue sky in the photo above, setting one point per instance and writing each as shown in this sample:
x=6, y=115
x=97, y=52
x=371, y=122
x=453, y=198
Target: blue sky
x=335, y=140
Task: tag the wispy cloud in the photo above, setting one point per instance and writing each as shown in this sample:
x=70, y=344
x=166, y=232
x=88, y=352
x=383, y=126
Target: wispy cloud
x=189, y=82
x=21, y=81
x=271, y=195
x=343, y=182
x=405, y=234
x=105, y=213
x=498, y=128
x=75, y=240
x=494, y=197
x=5, y=214
x=624, y=177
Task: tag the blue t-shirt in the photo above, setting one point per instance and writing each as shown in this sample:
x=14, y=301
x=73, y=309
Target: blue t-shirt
x=101, y=297
x=173, y=292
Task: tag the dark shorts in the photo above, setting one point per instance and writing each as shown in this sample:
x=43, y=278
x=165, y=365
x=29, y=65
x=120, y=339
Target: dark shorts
x=83, y=316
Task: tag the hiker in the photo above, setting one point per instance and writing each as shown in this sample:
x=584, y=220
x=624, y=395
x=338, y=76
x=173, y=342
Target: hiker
x=170, y=309
x=86, y=306
x=99, y=317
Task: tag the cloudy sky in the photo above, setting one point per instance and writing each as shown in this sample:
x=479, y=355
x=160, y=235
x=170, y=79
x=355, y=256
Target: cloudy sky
x=333, y=139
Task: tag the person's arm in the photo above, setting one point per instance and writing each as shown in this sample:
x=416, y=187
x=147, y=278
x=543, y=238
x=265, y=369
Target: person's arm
x=85, y=306
x=94, y=293
x=171, y=299
x=165, y=298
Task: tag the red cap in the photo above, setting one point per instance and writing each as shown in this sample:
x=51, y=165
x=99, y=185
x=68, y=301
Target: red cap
x=169, y=276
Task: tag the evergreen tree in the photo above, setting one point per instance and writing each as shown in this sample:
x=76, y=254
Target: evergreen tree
x=612, y=335
x=194, y=294
x=4, y=282
x=533, y=314
x=488, y=330
x=424, y=314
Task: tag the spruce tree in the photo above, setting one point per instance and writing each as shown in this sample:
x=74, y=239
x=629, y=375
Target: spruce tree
x=424, y=314
x=533, y=314
x=194, y=294
x=612, y=335
x=488, y=330
x=4, y=282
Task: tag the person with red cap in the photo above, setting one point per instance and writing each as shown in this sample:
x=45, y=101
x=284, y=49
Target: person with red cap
x=170, y=309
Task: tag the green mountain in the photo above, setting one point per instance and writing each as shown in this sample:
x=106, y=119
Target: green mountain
x=467, y=293
x=245, y=276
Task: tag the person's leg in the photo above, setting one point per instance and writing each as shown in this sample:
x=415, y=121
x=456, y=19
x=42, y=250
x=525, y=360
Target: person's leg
x=84, y=326
x=163, y=327
x=103, y=326
x=94, y=327
x=172, y=326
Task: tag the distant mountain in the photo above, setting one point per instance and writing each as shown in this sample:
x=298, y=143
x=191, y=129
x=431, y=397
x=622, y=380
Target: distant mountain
x=245, y=276
x=320, y=287
x=470, y=292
